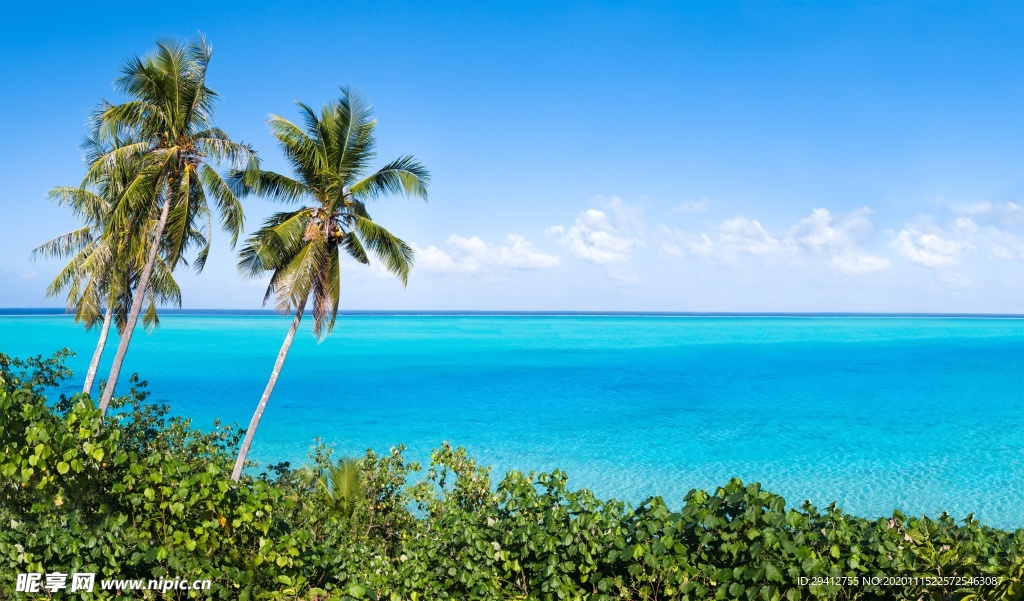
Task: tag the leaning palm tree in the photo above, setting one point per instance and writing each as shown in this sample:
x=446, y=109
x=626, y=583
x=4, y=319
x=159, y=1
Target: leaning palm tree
x=86, y=278
x=302, y=248
x=99, y=279
x=102, y=262
x=170, y=115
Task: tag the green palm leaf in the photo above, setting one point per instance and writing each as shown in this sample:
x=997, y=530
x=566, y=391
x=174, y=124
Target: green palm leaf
x=401, y=176
x=396, y=255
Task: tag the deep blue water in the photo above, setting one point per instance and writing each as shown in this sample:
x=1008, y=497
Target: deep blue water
x=923, y=414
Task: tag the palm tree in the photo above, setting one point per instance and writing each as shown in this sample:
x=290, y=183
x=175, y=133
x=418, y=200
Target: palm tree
x=343, y=485
x=170, y=115
x=302, y=248
x=103, y=263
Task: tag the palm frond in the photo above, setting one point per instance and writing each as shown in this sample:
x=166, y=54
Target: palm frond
x=354, y=247
x=85, y=204
x=163, y=286
x=296, y=280
x=352, y=125
x=267, y=184
x=232, y=216
x=343, y=486
x=114, y=159
x=222, y=150
x=87, y=306
x=64, y=245
x=396, y=255
x=150, y=319
x=273, y=245
x=326, y=294
x=139, y=200
x=404, y=175
x=180, y=218
x=306, y=154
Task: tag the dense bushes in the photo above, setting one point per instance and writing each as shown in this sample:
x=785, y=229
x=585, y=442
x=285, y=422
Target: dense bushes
x=146, y=496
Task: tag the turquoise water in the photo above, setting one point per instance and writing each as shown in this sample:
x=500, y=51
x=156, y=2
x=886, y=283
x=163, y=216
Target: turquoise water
x=921, y=414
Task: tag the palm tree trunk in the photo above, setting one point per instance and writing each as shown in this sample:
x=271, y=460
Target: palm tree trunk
x=95, y=363
x=236, y=474
x=133, y=315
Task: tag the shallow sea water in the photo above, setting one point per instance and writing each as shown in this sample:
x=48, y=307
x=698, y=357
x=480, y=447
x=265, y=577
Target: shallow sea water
x=921, y=414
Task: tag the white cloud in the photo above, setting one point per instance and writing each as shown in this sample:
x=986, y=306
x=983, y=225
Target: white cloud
x=474, y=257
x=822, y=231
x=743, y=235
x=604, y=237
x=926, y=243
x=952, y=279
x=623, y=276
x=999, y=214
x=832, y=236
x=996, y=226
x=933, y=248
x=681, y=244
x=1004, y=245
x=692, y=206
x=854, y=263
x=24, y=274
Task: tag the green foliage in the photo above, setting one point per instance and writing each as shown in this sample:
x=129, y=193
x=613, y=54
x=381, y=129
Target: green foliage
x=34, y=373
x=144, y=495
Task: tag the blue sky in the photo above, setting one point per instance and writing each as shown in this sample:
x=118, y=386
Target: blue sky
x=602, y=156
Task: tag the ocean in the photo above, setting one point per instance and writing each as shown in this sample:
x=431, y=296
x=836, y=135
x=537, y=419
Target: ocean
x=921, y=414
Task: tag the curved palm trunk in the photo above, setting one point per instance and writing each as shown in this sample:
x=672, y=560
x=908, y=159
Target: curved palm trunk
x=95, y=363
x=255, y=421
x=133, y=316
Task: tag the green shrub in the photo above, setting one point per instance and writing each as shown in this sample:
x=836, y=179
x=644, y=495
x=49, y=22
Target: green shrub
x=145, y=495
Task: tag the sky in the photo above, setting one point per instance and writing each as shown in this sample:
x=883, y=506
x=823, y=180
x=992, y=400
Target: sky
x=691, y=156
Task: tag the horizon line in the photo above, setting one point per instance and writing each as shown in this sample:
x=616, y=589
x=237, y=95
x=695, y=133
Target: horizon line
x=54, y=311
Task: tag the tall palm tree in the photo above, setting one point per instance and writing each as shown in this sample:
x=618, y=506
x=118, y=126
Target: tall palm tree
x=302, y=248
x=170, y=115
x=103, y=263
